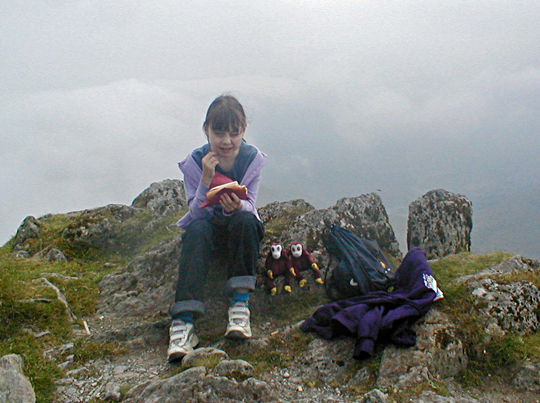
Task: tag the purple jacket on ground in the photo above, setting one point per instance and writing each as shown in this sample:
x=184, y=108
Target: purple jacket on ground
x=381, y=316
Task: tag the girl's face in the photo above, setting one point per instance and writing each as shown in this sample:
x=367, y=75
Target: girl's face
x=225, y=143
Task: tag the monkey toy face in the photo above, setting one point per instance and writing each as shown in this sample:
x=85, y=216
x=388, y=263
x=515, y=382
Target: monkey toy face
x=296, y=249
x=276, y=251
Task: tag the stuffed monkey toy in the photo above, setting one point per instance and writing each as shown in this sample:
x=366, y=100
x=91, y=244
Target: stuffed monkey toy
x=302, y=260
x=278, y=264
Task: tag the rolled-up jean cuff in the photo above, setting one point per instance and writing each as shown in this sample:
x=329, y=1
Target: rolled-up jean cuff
x=194, y=306
x=247, y=282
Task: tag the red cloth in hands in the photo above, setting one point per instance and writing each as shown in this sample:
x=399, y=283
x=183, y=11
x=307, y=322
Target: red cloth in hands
x=220, y=185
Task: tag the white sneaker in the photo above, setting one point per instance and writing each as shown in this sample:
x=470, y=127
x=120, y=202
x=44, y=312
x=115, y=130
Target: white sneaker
x=238, y=327
x=182, y=339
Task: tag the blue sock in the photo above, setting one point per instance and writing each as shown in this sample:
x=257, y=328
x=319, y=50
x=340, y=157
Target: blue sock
x=186, y=317
x=240, y=297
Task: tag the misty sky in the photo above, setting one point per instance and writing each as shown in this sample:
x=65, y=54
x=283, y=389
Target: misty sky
x=100, y=99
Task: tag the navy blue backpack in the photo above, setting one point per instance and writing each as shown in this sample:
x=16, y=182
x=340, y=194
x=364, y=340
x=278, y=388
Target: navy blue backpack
x=361, y=265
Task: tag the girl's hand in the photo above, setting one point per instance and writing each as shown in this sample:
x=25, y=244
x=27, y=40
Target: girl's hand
x=230, y=204
x=209, y=163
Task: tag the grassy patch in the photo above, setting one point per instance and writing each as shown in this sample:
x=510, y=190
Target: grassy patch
x=286, y=309
x=88, y=349
x=492, y=356
x=136, y=237
x=281, y=351
x=275, y=227
x=102, y=235
x=451, y=267
x=33, y=320
x=498, y=357
x=41, y=371
x=410, y=395
x=284, y=221
x=519, y=276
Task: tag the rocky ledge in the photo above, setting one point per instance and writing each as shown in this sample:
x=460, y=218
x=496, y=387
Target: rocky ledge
x=281, y=363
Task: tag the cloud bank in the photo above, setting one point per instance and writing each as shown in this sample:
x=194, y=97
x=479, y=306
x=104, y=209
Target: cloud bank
x=345, y=97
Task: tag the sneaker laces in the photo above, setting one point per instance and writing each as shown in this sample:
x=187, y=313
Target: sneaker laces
x=179, y=333
x=239, y=314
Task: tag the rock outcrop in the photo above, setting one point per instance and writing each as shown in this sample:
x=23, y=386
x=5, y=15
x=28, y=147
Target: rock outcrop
x=27, y=231
x=505, y=306
x=98, y=228
x=146, y=286
x=364, y=215
x=275, y=211
x=134, y=299
x=198, y=385
x=14, y=385
x=528, y=378
x=162, y=198
x=438, y=355
x=440, y=222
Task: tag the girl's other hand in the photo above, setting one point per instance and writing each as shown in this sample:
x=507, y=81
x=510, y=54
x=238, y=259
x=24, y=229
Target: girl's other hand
x=209, y=163
x=230, y=204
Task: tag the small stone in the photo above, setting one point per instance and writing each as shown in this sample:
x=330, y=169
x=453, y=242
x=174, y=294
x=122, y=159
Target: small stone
x=66, y=347
x=235, y=368
x=203, y=355
x=528, y=378
x=120, y=369
x=65, y=364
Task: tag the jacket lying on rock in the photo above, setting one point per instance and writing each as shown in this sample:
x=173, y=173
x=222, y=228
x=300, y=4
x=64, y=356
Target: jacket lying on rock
x=381, y=316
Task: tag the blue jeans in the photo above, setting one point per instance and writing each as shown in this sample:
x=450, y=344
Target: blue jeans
x=239, y=235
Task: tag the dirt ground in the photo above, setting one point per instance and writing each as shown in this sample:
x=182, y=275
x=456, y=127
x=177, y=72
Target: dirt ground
x=145, y=359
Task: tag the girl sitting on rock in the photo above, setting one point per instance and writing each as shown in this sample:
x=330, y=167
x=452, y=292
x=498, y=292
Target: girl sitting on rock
x=233, y=221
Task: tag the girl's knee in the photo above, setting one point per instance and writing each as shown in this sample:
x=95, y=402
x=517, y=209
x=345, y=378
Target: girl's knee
x=244, y=218
x=246, y=223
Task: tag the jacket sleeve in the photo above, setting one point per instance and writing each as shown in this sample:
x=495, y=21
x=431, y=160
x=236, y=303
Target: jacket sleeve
x=195, y=193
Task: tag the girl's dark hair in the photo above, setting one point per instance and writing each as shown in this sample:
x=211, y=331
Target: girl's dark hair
x=225, y=113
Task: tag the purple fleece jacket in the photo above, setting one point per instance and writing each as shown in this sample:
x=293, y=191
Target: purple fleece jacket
x=196, y=190
x=381, y=316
